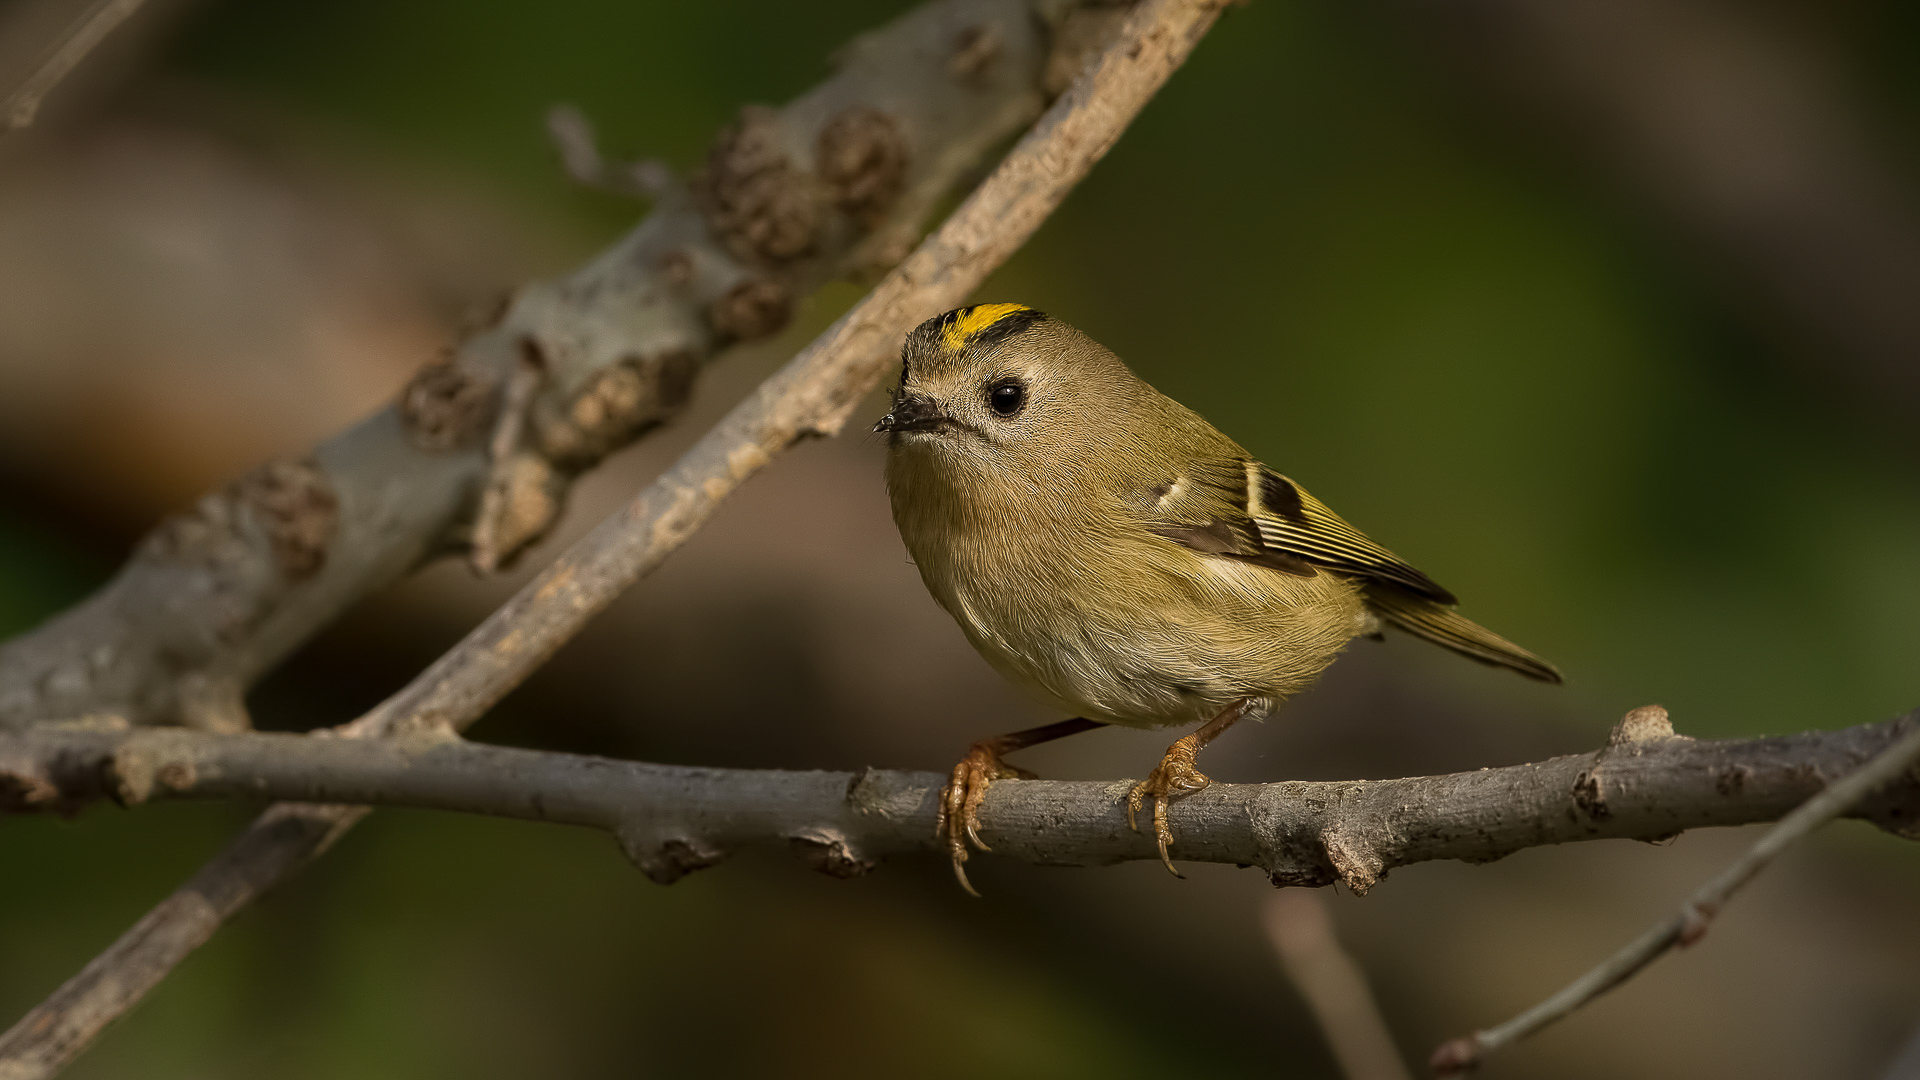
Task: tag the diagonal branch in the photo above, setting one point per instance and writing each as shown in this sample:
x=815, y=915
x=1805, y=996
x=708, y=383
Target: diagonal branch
x=838, y=183
x=1300, y=928
x=811, y=396
x=673, y=819
x=1689, y=924
x=79, y=39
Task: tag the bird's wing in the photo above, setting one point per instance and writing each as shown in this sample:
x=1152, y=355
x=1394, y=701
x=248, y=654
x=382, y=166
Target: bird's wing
x=1205, y=507
x=1289, y=520
x=1243, y=509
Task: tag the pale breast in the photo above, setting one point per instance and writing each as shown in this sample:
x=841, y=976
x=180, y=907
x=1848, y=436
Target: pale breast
x=1147, y=634
x=1082, y=606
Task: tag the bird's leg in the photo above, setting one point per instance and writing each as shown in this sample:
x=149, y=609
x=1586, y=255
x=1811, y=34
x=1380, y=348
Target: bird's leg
x=1175, y=777
x=960, y=800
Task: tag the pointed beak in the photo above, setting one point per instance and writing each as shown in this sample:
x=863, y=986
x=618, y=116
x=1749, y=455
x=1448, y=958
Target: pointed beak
x=912, y=414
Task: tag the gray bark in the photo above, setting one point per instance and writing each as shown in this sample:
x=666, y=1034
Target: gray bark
x=837, y=183
x=671, y=819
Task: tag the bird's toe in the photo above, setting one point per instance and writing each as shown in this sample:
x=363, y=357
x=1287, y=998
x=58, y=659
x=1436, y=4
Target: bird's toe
x=1174, y=778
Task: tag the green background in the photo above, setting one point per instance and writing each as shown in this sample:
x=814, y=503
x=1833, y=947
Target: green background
x=1452, y=329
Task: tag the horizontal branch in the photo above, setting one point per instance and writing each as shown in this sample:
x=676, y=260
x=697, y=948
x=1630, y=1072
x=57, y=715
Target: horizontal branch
x=1647, y=785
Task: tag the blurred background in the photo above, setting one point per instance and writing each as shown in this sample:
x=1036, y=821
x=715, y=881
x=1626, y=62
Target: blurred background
x=1606, y=314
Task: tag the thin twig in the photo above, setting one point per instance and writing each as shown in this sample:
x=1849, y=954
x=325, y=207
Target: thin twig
x=811, y=396
x=1298, y=832
x=572, y=136
x=79, y=39
x=1689, y=924
x=1300, y=928
x=496, y=502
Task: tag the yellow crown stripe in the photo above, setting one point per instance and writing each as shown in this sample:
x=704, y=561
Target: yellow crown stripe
x=975, y=319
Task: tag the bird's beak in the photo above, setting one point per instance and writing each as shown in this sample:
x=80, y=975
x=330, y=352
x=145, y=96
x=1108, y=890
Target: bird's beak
x=912, y=414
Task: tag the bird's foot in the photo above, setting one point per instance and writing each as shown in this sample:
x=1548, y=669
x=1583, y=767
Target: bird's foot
x=959, y=817
x=1174, y=778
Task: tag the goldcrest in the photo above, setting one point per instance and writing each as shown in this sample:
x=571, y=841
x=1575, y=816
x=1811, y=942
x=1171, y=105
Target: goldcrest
x=1109, y=551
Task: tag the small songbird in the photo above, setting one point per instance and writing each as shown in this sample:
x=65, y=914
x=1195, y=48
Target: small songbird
x=1107, y=549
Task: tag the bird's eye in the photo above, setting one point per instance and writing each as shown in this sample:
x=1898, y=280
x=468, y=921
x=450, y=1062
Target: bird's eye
x=1007, y=397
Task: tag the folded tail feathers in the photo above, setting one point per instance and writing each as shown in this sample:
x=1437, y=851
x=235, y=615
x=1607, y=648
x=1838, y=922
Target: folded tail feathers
x=1443, y=626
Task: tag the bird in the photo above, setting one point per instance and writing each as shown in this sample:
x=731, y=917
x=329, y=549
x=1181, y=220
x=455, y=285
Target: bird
x=1109, y=551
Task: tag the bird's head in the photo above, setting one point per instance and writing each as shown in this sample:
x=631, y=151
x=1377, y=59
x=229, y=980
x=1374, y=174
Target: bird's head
x=1003, y=382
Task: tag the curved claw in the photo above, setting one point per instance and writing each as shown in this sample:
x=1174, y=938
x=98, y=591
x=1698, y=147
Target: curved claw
x=1163, y=833
x=958, y=818
x=960, y=873
x=949, y=811
x=947, y=806
x=1174, y=778
x=972, y=829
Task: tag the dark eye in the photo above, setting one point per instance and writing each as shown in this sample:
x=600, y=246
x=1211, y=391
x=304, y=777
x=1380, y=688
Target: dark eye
x=1006, y=398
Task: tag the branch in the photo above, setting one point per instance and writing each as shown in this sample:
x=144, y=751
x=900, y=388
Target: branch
x=79, y=39
x=510, y=505
x=1301, y=930
x=674, y=819
x=838, y=183
x=811, y=396
x=1689, y=924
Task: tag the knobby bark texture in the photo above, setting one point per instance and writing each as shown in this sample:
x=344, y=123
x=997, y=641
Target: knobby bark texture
x=1647, y=784
x=812, y=396
x=838, y=183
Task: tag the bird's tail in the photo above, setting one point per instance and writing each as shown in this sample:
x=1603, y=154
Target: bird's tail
x=1444, y=626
